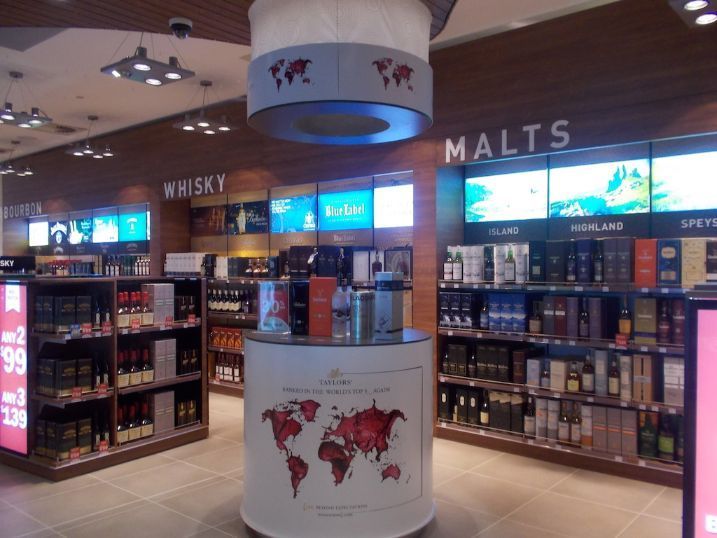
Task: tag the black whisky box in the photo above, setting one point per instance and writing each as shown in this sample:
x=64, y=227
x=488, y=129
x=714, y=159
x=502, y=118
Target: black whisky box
x=669, y=262
x=519, y=360
x=492, y=359
x=299, y=291
x=66, y=438
x=283, y=262
x=65, y=376
x=326, y=264
x=470, y=310
x=457, y=359
x=548, y=314
x=555, y=260
x=40, y=437
x=445, y=308
x=454, y=301
x=51, y=436
x=573, y=313
x=711, y=260
x=503, y=362
x=84, y=435
x=537, y=261
x=299, y=260
x=482, y=362
x=625, y=259
x=48, y=309
x=39, y=324
x=473, y=406
x=83, y=312
x=585, y=249
x=64, y=314
x=609, y=256
x=516, y=413
x=444, y=401
x=84, y=374
x=462, y=404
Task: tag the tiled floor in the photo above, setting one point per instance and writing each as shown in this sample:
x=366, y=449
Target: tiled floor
x=195, y=490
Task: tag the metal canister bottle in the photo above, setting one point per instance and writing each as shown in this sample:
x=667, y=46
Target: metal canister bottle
x=362, y=314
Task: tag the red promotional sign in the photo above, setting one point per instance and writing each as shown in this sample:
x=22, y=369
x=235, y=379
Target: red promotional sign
x=13, y=373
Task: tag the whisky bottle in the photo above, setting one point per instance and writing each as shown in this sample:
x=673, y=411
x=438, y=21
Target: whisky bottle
x=241, y=220
x=510, y=265
x=571, y=268
x=545, y=375
x=445, y=364
x=588, y=375
x=648, y=437
x=575, y=425
x=678, y=322
x=147, y=313
x=122, y=433
x=535, y=323
x=146, y=424
x=484, y=317
x=598, y=264
x=613, y=379
x=529, y=418
x=564, y=424
x=376, y=266
x=625, y=320
x=489, y=266
x=664, y=325
x=458, y=267
x=472, y=365
x=666, y=439
x=485, y=410
x=448, y=267
x=573, y=378
x=584, y=320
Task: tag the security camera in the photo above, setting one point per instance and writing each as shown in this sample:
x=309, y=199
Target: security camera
x=181, y=27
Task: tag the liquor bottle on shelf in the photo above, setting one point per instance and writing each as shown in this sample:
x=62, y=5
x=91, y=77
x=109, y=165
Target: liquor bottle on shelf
x=678, y=322
x=147, y=315
x=105, y=373
x=535, y=323
x=146, y=424
x=625, y=320
x=575, y=425
x=458, y=267
x=135, y=311
x=241, y=220
x=376, y=266
x=573, y=383
x=236, y=304
x=122, y=310
x=584, y=320
x=664, y=325
x=444, y=364
x=648, y=436
x=448, y=267
x=588, y=375
x=97, y=316
x=96, y=431
x=488, y=267
x=135, y=371
x=210, y=299
x=529, y=418
x=571, y=267
x=147, y=368
x=666, y=439
x=122, y=431
x=472, y=365
x=133, y=425
x=484, y=318
x=97, y=372
x=564, y=423
x=341, y=310
x=191, y=411
x=194, y=361
x=598, y=263
x=485, y=410
x=122, y=371
x=613, y=379
x=545, y=375
x=510, y=265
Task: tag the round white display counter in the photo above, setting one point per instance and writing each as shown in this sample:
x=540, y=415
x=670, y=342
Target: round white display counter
x=338, y=435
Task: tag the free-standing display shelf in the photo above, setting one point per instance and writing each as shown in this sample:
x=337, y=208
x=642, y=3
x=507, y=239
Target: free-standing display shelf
x=194, y=384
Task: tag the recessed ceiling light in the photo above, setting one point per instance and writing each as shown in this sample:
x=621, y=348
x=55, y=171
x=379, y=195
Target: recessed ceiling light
x=173, y=76
x=97, y=156
x=706, y=18
x=695, y=5
x=78, y=153
x=153, y=82
x=203, y=124
x=187, y=127
x=87, y=150
x=209, y=131
x=139, y=66
x=224, y=128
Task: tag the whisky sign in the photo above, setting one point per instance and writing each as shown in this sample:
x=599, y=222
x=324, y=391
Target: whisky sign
x=194, y=186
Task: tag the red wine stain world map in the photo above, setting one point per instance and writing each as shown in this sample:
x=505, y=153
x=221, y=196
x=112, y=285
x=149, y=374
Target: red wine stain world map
x=368, y=431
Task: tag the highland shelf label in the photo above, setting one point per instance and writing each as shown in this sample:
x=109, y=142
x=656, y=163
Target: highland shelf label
x=194, y=186
x=637, y=225
x=527, y=139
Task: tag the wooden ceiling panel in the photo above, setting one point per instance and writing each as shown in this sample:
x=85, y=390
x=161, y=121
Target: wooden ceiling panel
x=220, y=20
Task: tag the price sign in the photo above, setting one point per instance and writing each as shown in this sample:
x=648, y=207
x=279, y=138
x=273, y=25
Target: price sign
x=106, y=328
x=169, y=322
x=13, y=369
x=102, y=389
x=621, y=339
x=135, y=323
x=76, y=393
x=104, y=446
x=86, y=328
x=191, y=319
x=75, y=453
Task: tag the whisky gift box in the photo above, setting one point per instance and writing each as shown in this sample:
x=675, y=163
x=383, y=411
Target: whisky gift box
x=674, y=380
x=445, y=309
x=503, y=363
x=492, y=358
x=84, y=435
x=470, y=309
x=516, y=413
x=643, y=375
x=558, y=374
x=65, y=376
x=64, y=314
x=694, y=261
x=614, y=430
x=40, y=437
x=600, y=360
x=553, y=418
x=625, y=255
x=646, y=263
x=457, y=359
x=521, y=365
x=83, y=309
x=668, y=262
x=501, y=251
x=573, y=312
x=585, y=249
x=473, y=409
x=482, y=362
x=326, y=261
x=586, y=426
x=299, y=294
x=609, y=256
x=711, y=255
x=321, y=291
x=555, y=260
x=506, y=312
x=444, y=401
x=462, y=404
x=299, y=260
x=494, y=311
x=537, y=261
x=522, y=254
x=541, y=418
x=389, y=305
x=596, y=313
x=273, y=315
x=454, y=303
x=645, y=320
x=625, y=365
x=560, y=327
x=66, y=438
x=548, y=314
x=84, y=374
x=628, y=425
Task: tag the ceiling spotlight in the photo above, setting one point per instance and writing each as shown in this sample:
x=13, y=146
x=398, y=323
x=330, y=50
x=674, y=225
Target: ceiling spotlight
x=28, y=171
x=706, y=18
x=224, y=128
x=200, y=123
x=695, y=5
x=107, y=152
x=21, y=119
x=203, y=123
x=77, y=152
x=24, y=125
x=87, y=149
x=209, y=132
x=97, y=156
x=7, y=113
x=187, y=127
x=140, y=68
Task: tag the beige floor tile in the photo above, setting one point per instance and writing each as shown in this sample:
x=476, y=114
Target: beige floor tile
x=220, y=461
x=162, y=479
x=237, y=529
x=219, y=504
x=512, y=529
x=13, y=522
x=131, y=467
x=566, y=515
x=211, y=533
x=495, y=497
x=188, y=489
x=456, y=521
x=62, y=508
x=442, y=474
x=228, y=433
x=653, y=527
x=45, y=533
x=26, y=487
x=236, y=475
x=608, y=489
x=198, y=448
x=667, y=505
x=524, y=471
x=460, y=455
x=91, y=518
x=148, y=520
